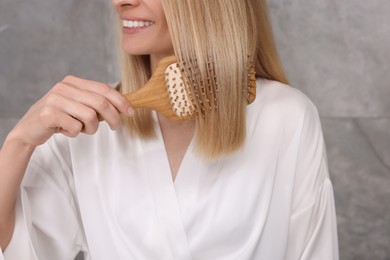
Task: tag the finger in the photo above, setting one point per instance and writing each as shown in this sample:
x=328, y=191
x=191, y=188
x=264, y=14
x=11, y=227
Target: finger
x=115, y=98
x=84, y=114
x=60, y=122
x=97, y=102
x=70, y=127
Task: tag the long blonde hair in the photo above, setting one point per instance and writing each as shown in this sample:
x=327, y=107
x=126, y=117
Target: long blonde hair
x=223, y=38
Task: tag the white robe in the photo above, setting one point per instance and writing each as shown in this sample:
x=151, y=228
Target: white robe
x=112, y=195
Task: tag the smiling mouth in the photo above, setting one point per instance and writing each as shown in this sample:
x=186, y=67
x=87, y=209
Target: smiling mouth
x=136, y=24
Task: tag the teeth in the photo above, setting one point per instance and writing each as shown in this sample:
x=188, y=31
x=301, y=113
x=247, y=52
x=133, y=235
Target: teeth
x=136, y=24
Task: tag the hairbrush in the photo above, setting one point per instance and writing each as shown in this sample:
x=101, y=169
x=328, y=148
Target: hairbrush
x=168, y=92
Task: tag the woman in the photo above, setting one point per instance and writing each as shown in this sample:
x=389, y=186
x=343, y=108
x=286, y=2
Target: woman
x=239, y=182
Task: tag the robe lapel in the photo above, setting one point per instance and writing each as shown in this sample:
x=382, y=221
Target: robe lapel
x=187, y=183
x=165, y=198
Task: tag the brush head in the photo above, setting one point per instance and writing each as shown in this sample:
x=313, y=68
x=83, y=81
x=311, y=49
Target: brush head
x=181, y=101
x=189, y=103
x=182, y=98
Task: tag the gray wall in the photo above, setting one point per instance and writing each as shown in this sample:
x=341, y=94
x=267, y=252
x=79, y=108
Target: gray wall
x=338, y=53
x=334, y=51
x=43, y=41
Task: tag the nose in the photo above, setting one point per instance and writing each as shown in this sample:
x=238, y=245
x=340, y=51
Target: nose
x=121, y=3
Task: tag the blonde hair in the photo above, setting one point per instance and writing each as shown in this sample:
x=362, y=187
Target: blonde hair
x=220, y=39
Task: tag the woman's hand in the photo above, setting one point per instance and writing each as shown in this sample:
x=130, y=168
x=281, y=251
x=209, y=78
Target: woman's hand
x=71, y=107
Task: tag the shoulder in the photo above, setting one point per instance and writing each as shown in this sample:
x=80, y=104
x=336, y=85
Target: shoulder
x=280, y=100
x=282, y=96
x=281, y=109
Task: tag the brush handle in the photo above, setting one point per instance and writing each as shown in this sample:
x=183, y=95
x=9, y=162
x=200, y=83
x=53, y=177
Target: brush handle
x=152, y=96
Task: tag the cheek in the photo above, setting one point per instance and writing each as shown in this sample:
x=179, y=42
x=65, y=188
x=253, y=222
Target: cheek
x=165, y=35
x=163, y=23
x=168, y=46
x=166, y=38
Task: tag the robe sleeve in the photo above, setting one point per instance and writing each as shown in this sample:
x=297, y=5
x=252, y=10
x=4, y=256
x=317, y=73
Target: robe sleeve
x=313, y=231
x=47, y=222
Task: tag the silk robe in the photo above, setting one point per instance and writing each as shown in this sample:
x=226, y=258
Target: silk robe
x=112, y=196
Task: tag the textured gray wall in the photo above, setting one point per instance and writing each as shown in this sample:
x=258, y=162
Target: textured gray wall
x=338, y=53
x=334, y=51
x=43, y=41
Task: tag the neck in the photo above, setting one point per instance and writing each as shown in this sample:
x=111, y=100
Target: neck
x=155, y=59
x=169, y=124
x=177, y=137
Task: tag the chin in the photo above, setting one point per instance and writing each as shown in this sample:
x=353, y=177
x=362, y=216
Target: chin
x=134, y=51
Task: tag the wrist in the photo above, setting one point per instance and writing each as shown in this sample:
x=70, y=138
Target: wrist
x=13, y=140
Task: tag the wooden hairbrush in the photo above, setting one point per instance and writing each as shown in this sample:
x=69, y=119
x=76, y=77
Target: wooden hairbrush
x=167, y=92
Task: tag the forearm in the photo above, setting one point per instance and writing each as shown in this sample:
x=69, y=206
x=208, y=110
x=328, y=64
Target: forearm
x=14, y=158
